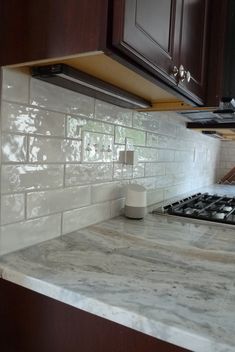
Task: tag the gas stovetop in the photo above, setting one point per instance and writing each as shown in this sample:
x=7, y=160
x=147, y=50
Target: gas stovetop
x=211, y=207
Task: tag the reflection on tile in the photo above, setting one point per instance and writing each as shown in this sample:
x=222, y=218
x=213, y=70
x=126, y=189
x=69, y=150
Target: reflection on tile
x=149, y=182
x=12, y=208
x=97, y=147
x=145, y=121
x=146, y=154
x=113, y=114
x=154, y=169
x=122, y=171
x=127, y=172
x=48, y=202
x=138, y=170
x=16, y=178
x=121, y=133
x=26, y=119
x=15, y=85
x=87, y=173
x=107, y=191
x=14, y=148
x=54, y=150
x=59, y=99
x=76, y=125
x=27, y=233
x=79, y=218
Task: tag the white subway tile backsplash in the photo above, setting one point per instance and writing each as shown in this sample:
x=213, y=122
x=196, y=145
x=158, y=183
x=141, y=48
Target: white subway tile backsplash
x=87, y=173
x=79, y=218
x=55, y=98
x=27, y=233
x=60, y=155
x=113, y=114
x=12, y=208
x=15, y=85
x=54, y=201
x=14, y=148
x=54, y=150
x=28, y=119
x=25, y=177
x=107, y=191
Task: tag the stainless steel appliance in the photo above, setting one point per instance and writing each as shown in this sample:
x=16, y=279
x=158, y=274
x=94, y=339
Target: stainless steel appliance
x=204, y=206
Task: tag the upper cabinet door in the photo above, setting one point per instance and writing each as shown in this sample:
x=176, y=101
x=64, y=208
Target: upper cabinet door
x=192, y=52
x=149, y=32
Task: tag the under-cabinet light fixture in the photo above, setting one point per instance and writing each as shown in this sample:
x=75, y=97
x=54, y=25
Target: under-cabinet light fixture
x=70, y=78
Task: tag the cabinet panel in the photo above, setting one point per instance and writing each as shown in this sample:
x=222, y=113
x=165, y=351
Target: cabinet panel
x=31, y=322
x=194, y=44
x=33, y=30
x=151, y=33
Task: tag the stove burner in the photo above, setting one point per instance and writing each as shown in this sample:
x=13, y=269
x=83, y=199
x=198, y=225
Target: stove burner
x=205, y=206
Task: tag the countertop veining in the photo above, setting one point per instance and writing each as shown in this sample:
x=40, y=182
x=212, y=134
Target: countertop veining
x=166, y=277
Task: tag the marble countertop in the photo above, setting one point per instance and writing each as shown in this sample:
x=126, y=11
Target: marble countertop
x=167, y=277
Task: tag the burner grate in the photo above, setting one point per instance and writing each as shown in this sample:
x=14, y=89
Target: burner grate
x=205, y=207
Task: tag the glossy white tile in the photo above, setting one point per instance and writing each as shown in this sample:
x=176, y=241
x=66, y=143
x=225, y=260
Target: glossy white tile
x=15, y=85
x=25, y=177
x=138, y=170
x=27, y=233
x=29, y=119
x=145, y=121
x=54, y=150
x=147, y=154
x=121, y=133
x=14, y=148
x=12, y=208
x=107, y=191
x=87, y=173
x=59, y=99
x=113, y=114
x=155, y=169
x=54, y=201
x=76, y=125
x=79, y=218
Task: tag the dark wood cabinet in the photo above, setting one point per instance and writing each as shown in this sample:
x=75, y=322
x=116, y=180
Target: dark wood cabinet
x=31, y=322
x=162, y=35
x=151, y=38
x=33, y=30
x=194, y=45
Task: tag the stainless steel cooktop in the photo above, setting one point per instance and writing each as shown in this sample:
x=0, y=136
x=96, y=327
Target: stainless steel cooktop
x=204, y=206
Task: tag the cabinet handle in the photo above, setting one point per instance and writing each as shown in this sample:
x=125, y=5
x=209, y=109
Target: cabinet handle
x=188, y=76
x=182, y=73
x=175, y=71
